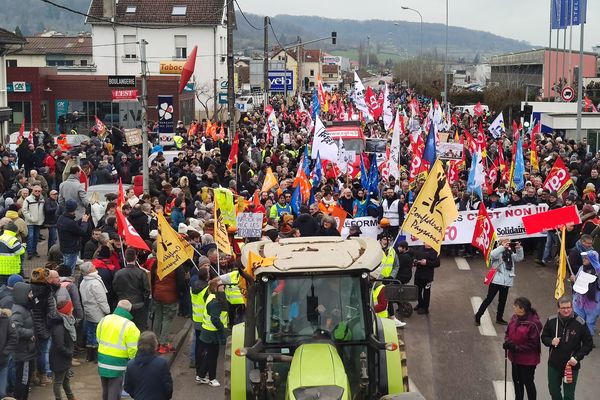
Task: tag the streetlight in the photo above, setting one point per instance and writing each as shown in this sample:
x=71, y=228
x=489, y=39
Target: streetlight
x=421, y=40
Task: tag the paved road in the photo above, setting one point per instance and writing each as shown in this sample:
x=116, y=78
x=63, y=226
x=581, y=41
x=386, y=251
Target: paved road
x=448, y=356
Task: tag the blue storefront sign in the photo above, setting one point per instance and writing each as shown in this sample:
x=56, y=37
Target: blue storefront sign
x=165, y=114
x=61, y=109
x=18, y=87
x=279, y=78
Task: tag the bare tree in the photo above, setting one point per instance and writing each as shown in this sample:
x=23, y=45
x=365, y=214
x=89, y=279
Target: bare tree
x=205, y=94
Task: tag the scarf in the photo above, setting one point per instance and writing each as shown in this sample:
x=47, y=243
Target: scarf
x=69, y=323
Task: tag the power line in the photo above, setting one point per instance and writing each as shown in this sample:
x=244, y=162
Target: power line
x=244, y=15
x=108, y=20
x=275, y=35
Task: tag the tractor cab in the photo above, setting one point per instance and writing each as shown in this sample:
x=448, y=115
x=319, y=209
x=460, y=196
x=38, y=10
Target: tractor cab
x=310, y=331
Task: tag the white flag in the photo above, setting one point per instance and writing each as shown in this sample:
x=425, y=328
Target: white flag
x=497, y=127
x=323, y=143
x=359, y=97
x=394, y=160
x=342, y=162
x=301, y=103
x=388, y=115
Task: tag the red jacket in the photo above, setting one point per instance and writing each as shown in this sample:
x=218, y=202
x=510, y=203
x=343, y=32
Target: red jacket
x=138, y=185
x=525, y=333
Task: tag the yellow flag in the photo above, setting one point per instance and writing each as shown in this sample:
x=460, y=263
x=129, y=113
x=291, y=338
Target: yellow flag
x=269, y=182
x=254, y=261
x=433, y=210
x=561, y=274
x=224, y=198
x=221, y=236
x=171, y=250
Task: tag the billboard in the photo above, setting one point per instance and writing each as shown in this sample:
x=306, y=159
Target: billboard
x=171, y=67
x=165, y=114
x=279, y=78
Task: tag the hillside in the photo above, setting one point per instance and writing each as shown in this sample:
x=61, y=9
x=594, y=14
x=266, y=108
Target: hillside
x=387, y=39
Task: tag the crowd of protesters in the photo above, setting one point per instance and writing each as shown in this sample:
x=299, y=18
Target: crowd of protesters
x=93, y=283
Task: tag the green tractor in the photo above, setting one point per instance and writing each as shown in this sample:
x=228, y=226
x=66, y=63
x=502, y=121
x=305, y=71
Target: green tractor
x=310, y=332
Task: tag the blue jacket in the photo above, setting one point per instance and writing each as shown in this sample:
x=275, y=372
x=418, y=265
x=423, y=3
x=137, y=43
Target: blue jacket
x=177, y=217
x=504, y=276
x=70, y=233
x=148, y=378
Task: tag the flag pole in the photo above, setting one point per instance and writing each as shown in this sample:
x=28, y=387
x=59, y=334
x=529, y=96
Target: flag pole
x=200, y=254
x=122, y=251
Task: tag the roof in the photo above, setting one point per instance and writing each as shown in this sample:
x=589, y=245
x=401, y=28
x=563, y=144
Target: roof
x=312, y=55
x=330, y=69
x=198, y=12
x=317, y=254
x=7, y=37
x=69, y=45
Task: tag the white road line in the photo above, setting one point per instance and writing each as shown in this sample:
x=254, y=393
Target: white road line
x=499, y=389
x=462, y=263
x=487, y=327
x=412, y=387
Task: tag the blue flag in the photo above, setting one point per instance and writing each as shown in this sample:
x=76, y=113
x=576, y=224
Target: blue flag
x=296, y=201
x=364, y=178
x=316, y=106
x=374, y=177
x=318, y=172
x=429, y=151
x=518, y=178
x=306, y=161
x=476, y=175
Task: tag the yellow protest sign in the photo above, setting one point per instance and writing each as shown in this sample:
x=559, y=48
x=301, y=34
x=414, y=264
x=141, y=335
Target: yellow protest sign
x=561, y=273
x=433, y=210
x=221, y=236
x=171, y=250
x=254, y=261
x=224, y=198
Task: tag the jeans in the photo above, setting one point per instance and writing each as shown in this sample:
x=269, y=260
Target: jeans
x=90, y=333
x=193, y=348
x=33, y=236
x=62, y=381
x=111, y=388
x=492, y=291
x=590, y=316
x=551, y=240
x=52, y=236
x=3, y=380
x=163, y=316
x=555, y=380
x=70, y=260
x=43, y=357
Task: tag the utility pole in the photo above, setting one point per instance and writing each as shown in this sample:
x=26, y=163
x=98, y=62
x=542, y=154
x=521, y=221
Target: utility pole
x=266, y=62
x=368, y=49
x=230, y=71
x=146, y=176
x=299, y=64
x=582, y=17
x=446, y=63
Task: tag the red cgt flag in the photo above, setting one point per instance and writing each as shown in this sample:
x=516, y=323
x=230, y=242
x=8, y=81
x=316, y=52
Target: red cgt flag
x=484, y=235
x=128, y=232
x=120, y=195
x=559, y=178
x=233, y=154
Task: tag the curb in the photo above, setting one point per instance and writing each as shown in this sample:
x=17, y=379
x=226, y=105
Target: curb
x=178, y=341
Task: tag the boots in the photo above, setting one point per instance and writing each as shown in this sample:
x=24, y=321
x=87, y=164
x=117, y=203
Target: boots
x=89, y=354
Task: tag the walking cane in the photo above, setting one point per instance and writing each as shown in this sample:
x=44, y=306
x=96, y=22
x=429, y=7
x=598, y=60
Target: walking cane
x=505, y=368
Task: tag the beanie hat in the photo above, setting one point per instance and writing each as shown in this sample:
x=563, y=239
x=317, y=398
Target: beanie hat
x=11, y=226
x=39, y=275
x=13, y=279
x=203, y=260
x=70, y=205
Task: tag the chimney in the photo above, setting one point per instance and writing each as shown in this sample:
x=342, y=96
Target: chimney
x=108, y=8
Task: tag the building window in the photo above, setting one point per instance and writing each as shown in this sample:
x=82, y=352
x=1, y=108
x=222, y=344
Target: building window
x=180, y=46
x=312, y=72
x=130, y=10
x=179, y=10
x=83, y=63
x=59, y=63
x=331, y=75
x=129, y=46
x=11, y=63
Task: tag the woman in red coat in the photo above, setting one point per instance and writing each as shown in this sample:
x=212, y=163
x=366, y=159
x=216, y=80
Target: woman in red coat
x=522, y=341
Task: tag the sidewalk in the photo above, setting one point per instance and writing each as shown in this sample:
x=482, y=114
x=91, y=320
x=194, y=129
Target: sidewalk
x=86, y=382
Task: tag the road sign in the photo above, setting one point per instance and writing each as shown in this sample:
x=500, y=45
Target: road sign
x=121, y=81
x=567, y=94
x=222, y=98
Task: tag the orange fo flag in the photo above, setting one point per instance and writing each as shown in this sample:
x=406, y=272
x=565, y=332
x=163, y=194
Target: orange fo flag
x=270, y=181
x=120, y=195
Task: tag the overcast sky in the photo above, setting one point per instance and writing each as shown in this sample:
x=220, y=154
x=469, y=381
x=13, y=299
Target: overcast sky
x=518, y=19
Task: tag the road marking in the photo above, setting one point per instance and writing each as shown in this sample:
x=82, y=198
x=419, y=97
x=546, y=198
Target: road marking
x=487, y=327
x=412, y=388
x=462, y=263
x=499, y=389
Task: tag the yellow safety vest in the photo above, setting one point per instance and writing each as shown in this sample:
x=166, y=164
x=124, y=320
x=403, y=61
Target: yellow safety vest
x=198, y=305
x=178, y=141
x=233, y=292
x=376, y=291
x=10, y=253
x=207, y=324
x=387, y=263
x=117, y=344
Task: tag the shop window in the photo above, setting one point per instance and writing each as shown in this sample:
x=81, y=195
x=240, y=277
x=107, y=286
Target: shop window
x=11, y=63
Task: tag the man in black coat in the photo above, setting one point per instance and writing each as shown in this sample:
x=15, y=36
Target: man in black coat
x=70, y=233
x=306, y=223
x=426, y=260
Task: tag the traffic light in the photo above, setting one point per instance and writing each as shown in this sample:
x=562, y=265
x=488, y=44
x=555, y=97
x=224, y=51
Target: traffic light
x=333, y=37
x=527, y=111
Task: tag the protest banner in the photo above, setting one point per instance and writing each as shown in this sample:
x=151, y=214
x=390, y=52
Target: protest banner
x=552, y=219
x=508, y=222
x=249, y=225
x=368, y=226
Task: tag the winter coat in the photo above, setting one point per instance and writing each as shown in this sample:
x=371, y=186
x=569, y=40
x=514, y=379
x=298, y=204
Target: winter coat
x=61, y=348
x=73, y=189
x=504, y=276
x=50, y=212
x=306, y=224
x=6, y=297
x=140, y=221
x=21, y=225
x=176, y=217
x=44, y=309
x=132, y=283
x=169, y=289
x=93, y=297
x=89, y=249
x=405, y=265
x=426, y=272
x=575, y=340
x=524, y=332
x=33, y=210
x=8, y=337
x=148, y=378
x=70, y=233
x=106, y=271
x=74, y=296
x=25, y=349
